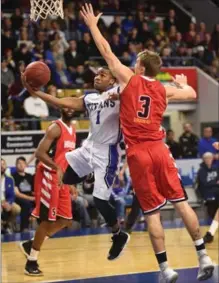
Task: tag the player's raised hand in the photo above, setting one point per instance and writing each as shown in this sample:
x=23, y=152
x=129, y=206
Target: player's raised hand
x=216, y=145
x=26, y=85
x=88, y=15
x=113, y=96
x=180, y=80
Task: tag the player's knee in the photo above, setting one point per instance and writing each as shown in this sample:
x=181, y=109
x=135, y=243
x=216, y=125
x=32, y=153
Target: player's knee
x=107, y=210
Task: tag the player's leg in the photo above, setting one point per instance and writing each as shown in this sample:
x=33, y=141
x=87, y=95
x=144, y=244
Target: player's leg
x=172, y=189
x=104, y=172
x=209, y=236
x=133, y=215
x=142, y=173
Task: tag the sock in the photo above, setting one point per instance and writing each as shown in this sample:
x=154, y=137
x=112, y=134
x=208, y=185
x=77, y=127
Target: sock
x=200, y=247
x=213, y=228
x=162, y=260
x=33, y=255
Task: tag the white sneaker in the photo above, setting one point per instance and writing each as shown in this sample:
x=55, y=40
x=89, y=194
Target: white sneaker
x=206, y=268
x=168, y=276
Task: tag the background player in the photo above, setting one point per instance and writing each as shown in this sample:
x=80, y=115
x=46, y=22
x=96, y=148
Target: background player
x=153, y=171
x=53, y=202
x=100, y=151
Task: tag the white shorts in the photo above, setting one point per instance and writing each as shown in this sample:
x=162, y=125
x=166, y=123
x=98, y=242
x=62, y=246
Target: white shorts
x=103, y=160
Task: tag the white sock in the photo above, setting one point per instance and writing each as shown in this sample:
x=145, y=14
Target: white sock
x=163, y=266
x=200, y=247
x=33, y=255
x=213, y=228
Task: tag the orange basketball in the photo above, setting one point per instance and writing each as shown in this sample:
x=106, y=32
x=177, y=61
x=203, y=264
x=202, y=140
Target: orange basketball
x=37, y=74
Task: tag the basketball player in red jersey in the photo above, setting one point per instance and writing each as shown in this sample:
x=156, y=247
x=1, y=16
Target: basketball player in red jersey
x=152, y=167
x=53, y=200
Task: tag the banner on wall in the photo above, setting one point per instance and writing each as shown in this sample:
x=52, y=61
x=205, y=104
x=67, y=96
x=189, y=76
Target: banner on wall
x=24, y=143
x=191, y=73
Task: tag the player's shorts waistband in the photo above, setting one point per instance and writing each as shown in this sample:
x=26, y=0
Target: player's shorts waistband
x=89, y=144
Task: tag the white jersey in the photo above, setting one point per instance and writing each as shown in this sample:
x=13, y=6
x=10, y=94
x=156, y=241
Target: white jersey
x=104, y=117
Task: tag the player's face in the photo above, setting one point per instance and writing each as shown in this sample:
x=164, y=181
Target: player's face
x=67, y=113
x=103, y=80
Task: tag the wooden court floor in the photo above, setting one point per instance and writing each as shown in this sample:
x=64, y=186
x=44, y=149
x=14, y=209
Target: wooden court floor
x=81, y=257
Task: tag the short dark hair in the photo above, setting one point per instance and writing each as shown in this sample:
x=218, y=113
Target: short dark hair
x=151, y=61
x=169, y=131
x=21, y=158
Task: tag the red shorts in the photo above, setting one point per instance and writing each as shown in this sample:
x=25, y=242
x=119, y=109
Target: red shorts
x=51, y=200
x=154, y=174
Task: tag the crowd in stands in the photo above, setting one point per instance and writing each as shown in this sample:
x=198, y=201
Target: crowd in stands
x=67, y=47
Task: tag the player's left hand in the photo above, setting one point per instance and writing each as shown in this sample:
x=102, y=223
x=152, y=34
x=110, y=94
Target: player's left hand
x=88, y=15
x=26, y=85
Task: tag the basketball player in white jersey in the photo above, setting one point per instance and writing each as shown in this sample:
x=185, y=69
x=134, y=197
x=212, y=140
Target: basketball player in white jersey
x=100, y=151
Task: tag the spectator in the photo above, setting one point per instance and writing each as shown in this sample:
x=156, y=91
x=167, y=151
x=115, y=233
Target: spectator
x=206, y=143
x=38, y=51
x=161, y=31
x=172, y=33
x=7, y=75
x=73, y=58
x=88, y=187
x=86, y=46
x=208, y=186
x=202, y=31
x=8, y=41
x=166, y=56
x=24, y=38
x=35, y=108
x=10, y=210
x=23, y=54
x=128, y=23
x=170, y=20
x=54, y=112
x=62, y=76
x=53, y=55
x=17, y=19
x=188, y=142
x=215, y=37
x=134, y=37
x=176, y=43
x=190, y=35
x=9, y=59
x=23, y=192
x=173, y=145
x=145, y=34
x=117, y=23
x=116, y=46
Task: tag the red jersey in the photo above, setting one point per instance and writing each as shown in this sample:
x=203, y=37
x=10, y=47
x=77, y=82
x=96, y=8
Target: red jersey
x=65, y=143
x=143, y=102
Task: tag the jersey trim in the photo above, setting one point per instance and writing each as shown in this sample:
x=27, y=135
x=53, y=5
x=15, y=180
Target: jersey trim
x=112, y=165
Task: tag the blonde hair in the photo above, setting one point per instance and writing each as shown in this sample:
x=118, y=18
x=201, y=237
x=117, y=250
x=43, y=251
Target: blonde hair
x=151, y=61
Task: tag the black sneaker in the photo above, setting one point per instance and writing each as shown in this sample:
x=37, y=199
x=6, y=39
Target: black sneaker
x=26, y=247
x=32, y=268
x=208, y=238
x=119, y=243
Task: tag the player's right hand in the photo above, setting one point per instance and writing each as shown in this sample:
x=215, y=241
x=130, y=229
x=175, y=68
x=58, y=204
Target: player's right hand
x=26, y=85
x=180, y=80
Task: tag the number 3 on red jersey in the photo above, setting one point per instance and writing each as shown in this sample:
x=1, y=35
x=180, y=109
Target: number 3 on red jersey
x=144, y=107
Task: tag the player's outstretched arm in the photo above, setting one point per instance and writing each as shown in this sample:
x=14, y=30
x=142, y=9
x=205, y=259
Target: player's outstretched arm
x=74, y=103
x=180, y=90
x=120, y=71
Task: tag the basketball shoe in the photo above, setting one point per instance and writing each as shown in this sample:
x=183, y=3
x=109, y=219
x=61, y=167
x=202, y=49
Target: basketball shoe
x=168, y=276
x=206, y=268
x=119, y=242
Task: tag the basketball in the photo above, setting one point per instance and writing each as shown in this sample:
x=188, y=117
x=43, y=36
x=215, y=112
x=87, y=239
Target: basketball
x=37, y=74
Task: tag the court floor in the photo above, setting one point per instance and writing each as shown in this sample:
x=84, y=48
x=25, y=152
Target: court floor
x=80, y=257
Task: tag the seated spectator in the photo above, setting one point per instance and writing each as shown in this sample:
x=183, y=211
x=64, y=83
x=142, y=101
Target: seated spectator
x=7, y=75
x=161, y=31
x=88, y=187
x=166, y=56
x=170, y=20
x=86, y=46
x=215, y=37
x=24, y=38
x=17, y=19
x=73, y=57
x=9, y=209
x=35, y=109
x=38, y=51
x=174, y=146
x=10, y=59
x=53, y=110
x=116, y=45
x=145, y=34
x=8, y=41
x=128, y=23
x=117, y=23
x=208, y=186
x=190, y=35
x=24, y=192
x=206, y=142
x=62, y=76
x=117, y=199
x=79, y=208
x=53, y=55
x=188, y=142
